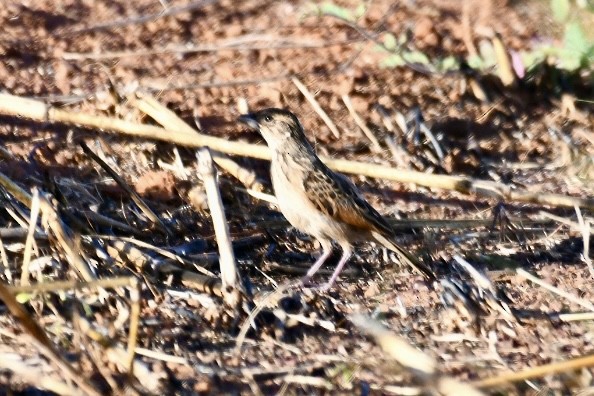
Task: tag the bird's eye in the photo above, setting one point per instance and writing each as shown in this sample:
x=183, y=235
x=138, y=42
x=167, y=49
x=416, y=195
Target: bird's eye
x=267, y=118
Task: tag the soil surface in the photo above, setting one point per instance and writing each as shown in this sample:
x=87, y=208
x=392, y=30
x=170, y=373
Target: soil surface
x=205, y=60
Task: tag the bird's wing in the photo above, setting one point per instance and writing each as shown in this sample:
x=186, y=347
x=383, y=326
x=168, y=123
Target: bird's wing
x=336, y=196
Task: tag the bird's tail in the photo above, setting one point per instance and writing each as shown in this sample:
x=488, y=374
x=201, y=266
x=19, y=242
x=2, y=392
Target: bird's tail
x=406, y=257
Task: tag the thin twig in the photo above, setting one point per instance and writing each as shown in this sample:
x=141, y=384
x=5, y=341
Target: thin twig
x=137, y=20
x=572, y=224
x=64, y=238
x=19, y=233
x=360, y=123
x=263, y=303
x=43, y=343
x=217, y=213
x=581, y=302
x=97, y=218
x=21, y=107
x=159, y=88
x=234, y=44
x=161, y=356
x=376, y=40
x=138, y=258
x=168, y=119
x=134, y=323
x=536, y=372
x=585, y=230
x=574, y=317
x=316, y=106
x=38, y=378
x=29, y=241
x=133, y=194
x=46, y=287
x=4, y=258
x=421, y=365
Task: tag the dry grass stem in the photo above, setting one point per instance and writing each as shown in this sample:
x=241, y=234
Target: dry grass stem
x=42, y=342
x=20, y=233
x=398, y=153
x=169, y=120
x=134, y=323
x=122, y=183
x=160, y=113
x=118, y=356
x=585, y=230
x=30, y=233
x=575, y=317
x=35, y=377
x=361, y=124
x=467, y=29
x=308, y=380
x=396, y=347
x=72, y=285
x=65, y=241
x=479, y=278
x=5, y=265
x=266, y=301
x=401, y=390
x=122, y=247
x=11, y=105
x=21, y=195
x=433, y=140
x=421, y=365
x=556, y=290
x=227, y=263
x=122, y=250
x=572, y=224
x=265, y=197
x=99, y=219
x=316, y=106
x=246, y=176
x=161, y=356
x=140, y=19
x=536, y=372
x=504, y=67
x=243, y=43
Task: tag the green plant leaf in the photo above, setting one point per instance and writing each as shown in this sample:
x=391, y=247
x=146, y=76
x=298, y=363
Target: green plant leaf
x=416, y=57
x=532, y=58
x=360, y=10
x=390, y=41
x=575, y=39
x=560, y=10
x=391, y=61
x=329, y=8
x=23, y=298
x=449, y=63
x=475, y=62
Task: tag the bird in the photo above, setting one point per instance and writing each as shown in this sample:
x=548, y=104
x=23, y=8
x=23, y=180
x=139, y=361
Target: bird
x=318, y=201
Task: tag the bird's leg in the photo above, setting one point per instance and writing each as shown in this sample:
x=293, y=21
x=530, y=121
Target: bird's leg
x=347, y=251
x=326, y=251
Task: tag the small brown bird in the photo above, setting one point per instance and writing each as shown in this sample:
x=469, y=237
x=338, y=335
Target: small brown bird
x=317, y=200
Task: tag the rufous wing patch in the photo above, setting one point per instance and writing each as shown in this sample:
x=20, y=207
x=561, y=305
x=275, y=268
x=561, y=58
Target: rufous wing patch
x=334, y=195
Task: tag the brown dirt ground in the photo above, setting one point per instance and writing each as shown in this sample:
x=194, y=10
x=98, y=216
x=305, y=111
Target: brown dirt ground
x=71, y=53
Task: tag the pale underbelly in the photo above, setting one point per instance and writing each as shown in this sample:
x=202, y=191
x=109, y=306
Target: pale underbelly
x=298, y=209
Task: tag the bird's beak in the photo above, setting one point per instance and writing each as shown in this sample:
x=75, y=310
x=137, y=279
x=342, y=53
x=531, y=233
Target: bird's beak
x=249, y=120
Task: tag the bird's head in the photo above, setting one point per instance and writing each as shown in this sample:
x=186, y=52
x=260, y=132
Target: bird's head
x=278, y=127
